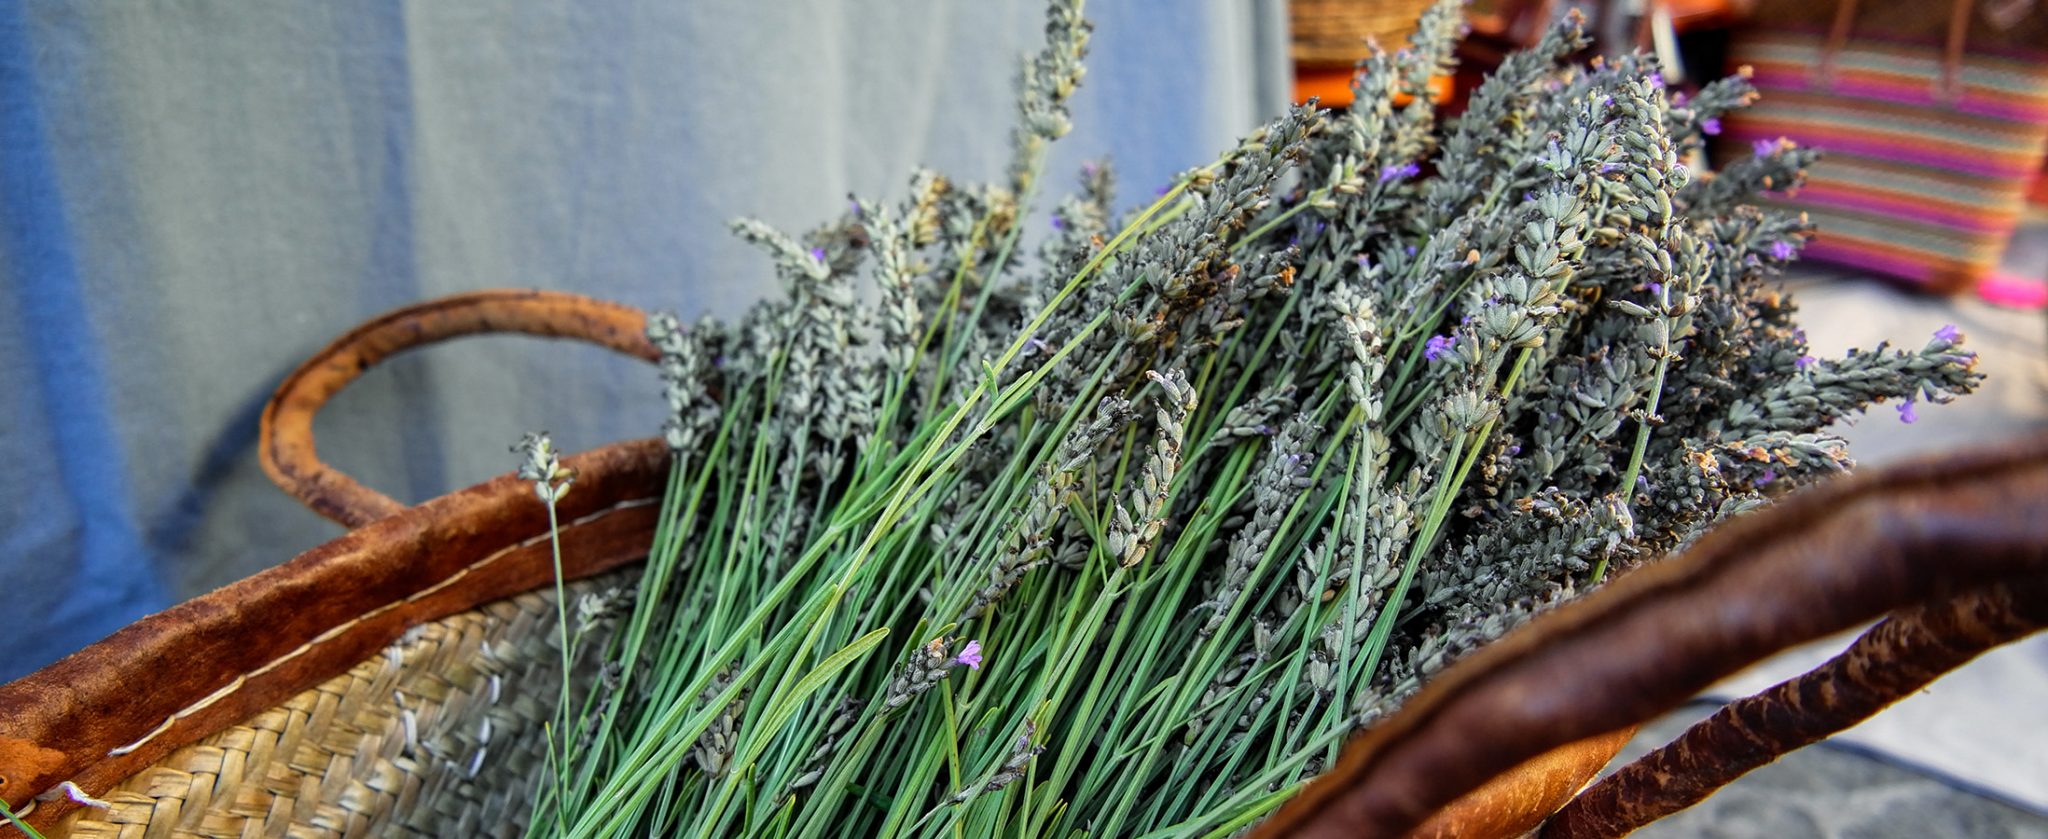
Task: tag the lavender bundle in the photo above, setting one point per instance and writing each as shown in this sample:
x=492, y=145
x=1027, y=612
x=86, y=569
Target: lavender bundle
x=1126, y=535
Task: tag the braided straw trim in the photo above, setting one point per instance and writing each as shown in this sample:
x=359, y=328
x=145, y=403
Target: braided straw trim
x=441, y=735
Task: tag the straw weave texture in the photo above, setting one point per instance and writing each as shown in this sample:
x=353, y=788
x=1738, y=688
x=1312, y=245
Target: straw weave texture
x=1334, y=32
x=441, y=735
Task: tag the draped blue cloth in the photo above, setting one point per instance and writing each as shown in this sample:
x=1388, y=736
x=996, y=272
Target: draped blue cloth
x=196, y=195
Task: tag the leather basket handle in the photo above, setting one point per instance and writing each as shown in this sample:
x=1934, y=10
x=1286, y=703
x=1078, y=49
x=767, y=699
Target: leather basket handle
x=286, y=438
x=1954, y=547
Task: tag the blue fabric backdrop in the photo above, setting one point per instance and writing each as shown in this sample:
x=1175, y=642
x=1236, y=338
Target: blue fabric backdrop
x=195, y=195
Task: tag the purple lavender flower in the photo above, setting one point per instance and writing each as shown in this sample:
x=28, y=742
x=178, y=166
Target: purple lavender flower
x=1764, y=148
x=1782, y=250
x=1439, y=346
x=1410, y=249
x=1804, y=362
x=970, y=655
x=1514, y=450
x=1679, y=99
x=1400, y=171
x=1948, y=333
x=1906, y=414
x=1655, y=288
x=1058, y=223
x=1656, y=79
x=818, y=254
x=1768, y=476
x=1710, y=126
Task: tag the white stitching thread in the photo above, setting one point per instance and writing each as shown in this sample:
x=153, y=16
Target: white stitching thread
x=336, y=631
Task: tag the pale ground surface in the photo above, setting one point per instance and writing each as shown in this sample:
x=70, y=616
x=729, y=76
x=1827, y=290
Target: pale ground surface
x=1968, y=757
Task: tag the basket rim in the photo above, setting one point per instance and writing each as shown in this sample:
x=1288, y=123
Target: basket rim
x=103, y=713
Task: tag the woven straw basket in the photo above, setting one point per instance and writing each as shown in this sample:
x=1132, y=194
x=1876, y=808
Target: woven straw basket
x=1334, y=33
x=394, y=682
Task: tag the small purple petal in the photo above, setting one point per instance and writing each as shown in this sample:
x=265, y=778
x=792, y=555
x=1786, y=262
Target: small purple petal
x=1679, y=99
x=1948, y=333
x=970, y=655
x=1410, y=249
x=818, y=254
x=1804, y=362
x=1768, y=476
x=1400, y=171
x=1058, y=223
x=1439, y=346
x=1782, y=251
x=1656, y=79
x=1514, y=450
x=1906, y=414
x=1710, y=126
x=1764, y=148
x=1655, y=288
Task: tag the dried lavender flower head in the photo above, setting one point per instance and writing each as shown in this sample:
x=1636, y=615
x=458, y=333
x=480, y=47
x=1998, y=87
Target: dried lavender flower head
x=1238, y=470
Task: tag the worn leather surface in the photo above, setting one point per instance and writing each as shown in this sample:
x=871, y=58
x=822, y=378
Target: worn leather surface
x=1900, y=655
x=1518, y=800
x=1819, y=562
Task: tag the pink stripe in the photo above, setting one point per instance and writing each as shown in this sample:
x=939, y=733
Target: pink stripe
x=1820, y=249
x=1860, y=201
x=1873, y=146
x=1976, y=101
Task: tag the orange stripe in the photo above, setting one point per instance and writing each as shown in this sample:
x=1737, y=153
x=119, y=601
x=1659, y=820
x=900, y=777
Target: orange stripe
x=1815, y=134
x=1901, y=253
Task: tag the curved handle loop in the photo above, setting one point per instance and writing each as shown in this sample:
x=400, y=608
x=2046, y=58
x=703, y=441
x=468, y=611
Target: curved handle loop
x=1958, y=545
x=1948, y=88
x=286, y=439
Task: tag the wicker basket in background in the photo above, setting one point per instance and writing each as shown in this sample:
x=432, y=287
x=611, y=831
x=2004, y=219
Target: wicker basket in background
x=1335, y=32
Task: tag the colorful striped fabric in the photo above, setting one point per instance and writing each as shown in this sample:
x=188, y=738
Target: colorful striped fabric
x=1912, y=185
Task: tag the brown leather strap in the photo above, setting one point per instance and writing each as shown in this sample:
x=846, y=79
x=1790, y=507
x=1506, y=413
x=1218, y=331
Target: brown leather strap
x=1890, y=662
x=1949, y=88
x=1822, y=561
x=286, y=447
x=1838, y=37
x=1952, y=52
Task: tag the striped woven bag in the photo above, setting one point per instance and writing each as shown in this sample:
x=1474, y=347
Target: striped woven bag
x=1929, y=144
